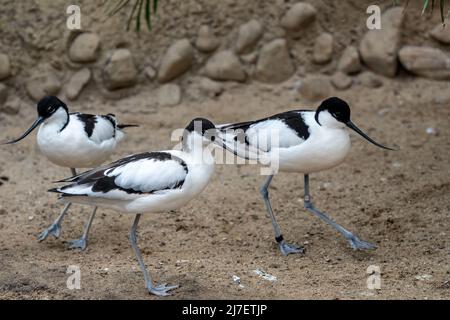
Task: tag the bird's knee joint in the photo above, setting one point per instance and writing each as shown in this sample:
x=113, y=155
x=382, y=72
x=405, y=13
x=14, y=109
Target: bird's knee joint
x=264, y=192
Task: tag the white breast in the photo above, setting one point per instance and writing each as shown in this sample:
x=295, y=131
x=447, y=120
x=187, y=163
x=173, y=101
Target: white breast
x=72, y=147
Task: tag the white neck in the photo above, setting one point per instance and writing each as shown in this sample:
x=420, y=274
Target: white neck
x=328, y=121
x=58, y=120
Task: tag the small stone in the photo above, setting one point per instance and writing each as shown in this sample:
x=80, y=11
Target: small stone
x=225, y=65
x=78, y=81
x=315, y=88
x=350, y=62
x=176, y=61
x=426, y=62
x=30, y=218
x=323, y=48
x=298, y=16
x=210, y=87
x=5, y=66
x=248, y=36
x=431, y=131
x=169, y=95
x=206, y=40
x=3, y=93
x=43, y=81
x=274, y=62
x=441, y=32
x=85, y=47
x=370, y=80
x=341, y=81
x=424, y=277
x=150, y=72
x=120, y=71
x=250, y=57
x=379, y=48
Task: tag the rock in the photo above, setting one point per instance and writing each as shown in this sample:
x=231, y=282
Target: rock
x=176, y=61
x=43, y=81
x=169, y=95
x=248, y=36
x=5, y=66
x=119, y=71
x=441, y=33
x=315, y=88
x=209, y=87
x=379, y=48
x=10, y=107
x=250, y=58
x=85, y=47
x=77, y=83
x=274, y=63
x=370, y=80
x=225, y=65
x=341, y=81
x=150, y=72
x=426, y=62
x=206, y=40
x=323, y=48
x=349, y=62
x=299, y=16
x=3, y=93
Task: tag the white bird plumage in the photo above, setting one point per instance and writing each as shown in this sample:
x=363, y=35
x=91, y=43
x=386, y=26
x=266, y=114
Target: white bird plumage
x=148, y=183
x=73, y=140
x=303, y=141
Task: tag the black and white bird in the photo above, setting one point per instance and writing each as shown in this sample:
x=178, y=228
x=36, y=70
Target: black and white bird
x=73, y=140
x=303, y=141
x=149, y=182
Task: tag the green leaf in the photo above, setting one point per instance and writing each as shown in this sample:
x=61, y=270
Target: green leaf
x=132, y=14
x=120, y=5
x=425, y=5
x=148, y=15
x=138, y=18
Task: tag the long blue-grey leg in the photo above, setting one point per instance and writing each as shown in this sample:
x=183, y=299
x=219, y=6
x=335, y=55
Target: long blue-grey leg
x=354, y=241
x=55, y=228
x=284, y=247
x=83, y=241
x=160, y=290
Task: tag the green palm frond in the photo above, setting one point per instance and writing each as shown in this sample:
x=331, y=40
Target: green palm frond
x=137, y=10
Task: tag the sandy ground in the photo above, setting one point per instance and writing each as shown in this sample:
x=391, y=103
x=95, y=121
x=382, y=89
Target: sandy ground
x=398, y=200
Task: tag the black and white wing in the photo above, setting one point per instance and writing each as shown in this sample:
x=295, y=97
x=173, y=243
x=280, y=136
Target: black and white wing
x=252, y=139
x=129, y=178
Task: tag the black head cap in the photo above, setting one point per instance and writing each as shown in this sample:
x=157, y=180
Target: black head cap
x=338, y=108
x=48, y=106
x=200, y=125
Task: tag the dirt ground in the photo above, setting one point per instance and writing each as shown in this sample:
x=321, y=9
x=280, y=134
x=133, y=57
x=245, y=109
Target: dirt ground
x=398, y=200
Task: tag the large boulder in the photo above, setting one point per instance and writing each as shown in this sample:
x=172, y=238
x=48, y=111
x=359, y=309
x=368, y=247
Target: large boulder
x=77, y=82
x=379, y=48
x=225, y=65
x=206, y=40
x=274, y=63
x=298, y=16
x=349, y=62
x=427, y=62
x=85, y=47
x=323, y=48
x=41, y=82
x=441, y=32
x=248, y=36
x=120, y=71
x=176, y=61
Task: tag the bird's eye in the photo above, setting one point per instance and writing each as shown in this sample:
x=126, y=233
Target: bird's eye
x=213, y=138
